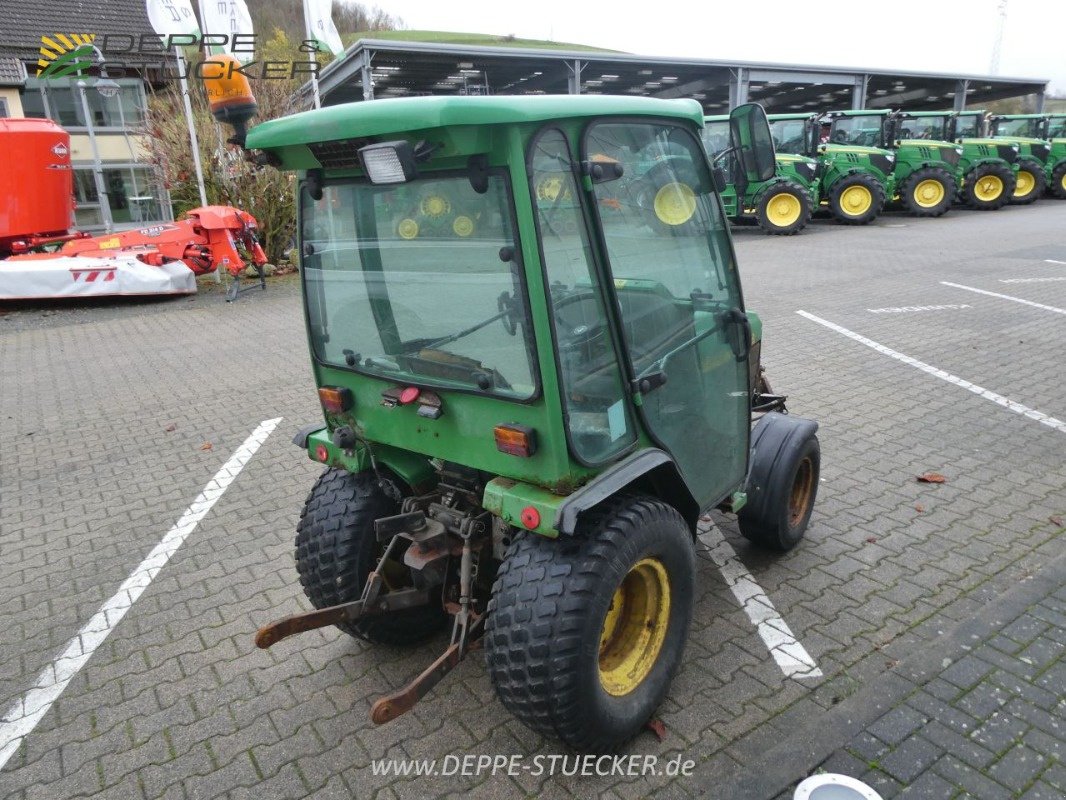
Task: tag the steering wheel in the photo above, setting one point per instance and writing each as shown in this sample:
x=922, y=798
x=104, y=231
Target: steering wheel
x=577, y=334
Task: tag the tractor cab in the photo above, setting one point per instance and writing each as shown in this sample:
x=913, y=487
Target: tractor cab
x=1028, y=132
x=536, y=372
x=795, y=133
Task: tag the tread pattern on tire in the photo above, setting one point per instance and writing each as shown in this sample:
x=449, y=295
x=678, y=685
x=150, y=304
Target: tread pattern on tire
x=1058, y=175
x=857, y=179
x=1040, y=179
x=1005, y=175
x=539, y=604
x=333, y=556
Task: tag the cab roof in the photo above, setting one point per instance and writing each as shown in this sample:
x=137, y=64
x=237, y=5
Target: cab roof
x=406, y=114
x=796, y=115
x=860, y=112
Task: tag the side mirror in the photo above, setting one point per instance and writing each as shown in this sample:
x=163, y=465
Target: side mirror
x=602, y=169
x=721, y=182
x=750, y=132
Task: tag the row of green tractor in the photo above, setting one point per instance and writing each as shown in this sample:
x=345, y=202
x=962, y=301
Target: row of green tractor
x=853, y=164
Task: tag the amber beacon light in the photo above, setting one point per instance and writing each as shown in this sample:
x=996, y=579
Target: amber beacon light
x=229, y=94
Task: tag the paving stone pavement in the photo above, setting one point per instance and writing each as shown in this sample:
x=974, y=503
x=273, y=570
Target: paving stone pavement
x=105, y=422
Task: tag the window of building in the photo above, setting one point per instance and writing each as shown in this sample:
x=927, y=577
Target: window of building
x=134, y=195
x=60, y=99
x=3, y=108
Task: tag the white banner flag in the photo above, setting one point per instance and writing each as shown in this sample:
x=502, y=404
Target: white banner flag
x=229, y=17
x=172, y=17
x=319, y=17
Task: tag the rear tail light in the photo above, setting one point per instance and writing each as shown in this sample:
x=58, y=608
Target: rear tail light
x=516, y=440
x=335, y=399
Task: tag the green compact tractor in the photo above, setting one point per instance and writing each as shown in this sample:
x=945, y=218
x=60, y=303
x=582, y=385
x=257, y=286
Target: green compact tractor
x=1055, y=132
x=987, y=166
x=1027, y=131
x=927, y=171
x=523, y=426
x=853, y=181
x=781, y=205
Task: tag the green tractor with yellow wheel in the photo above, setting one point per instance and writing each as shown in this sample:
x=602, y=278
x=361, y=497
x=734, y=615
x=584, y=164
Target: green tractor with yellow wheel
x=1027, y=132
x=854, y=181
x=520, y=430
x=1055, y=132
x=780, y=206
x=989, y=168
x=927, y=171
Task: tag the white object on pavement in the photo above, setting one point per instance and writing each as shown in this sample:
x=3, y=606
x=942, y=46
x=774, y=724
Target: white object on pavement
x=830, y=786
x=34, y=278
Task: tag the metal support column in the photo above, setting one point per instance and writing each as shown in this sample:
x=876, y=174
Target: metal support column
x=1039, y=102
x=576, y=67
x=961, y=88
x=858, y=93
x=364, y=74
x=738, y=87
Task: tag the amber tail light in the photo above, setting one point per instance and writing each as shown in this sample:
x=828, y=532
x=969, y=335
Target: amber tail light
x=335, y=399
x=517, y=440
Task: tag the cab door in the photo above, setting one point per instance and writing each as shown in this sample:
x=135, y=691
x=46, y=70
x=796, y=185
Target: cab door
x=677, y=294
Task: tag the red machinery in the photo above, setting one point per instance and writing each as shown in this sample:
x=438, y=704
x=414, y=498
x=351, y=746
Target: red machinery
x=161, y=259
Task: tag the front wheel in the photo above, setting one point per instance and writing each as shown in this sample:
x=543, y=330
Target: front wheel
x=1031, y=183
x=856, y=199
x=586, y=632
x=988, y=187
x=1058, y=181
x=784, y=209
x=928, y=192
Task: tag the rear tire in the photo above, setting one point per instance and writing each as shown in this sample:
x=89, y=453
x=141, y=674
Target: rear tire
x=1031, y=183
x=782, y=483
x=988, y=187
x=336, y=549
x=856, y=199
x=1058, y=181
x=928, y=192
x=586, y=632
x=784, y=209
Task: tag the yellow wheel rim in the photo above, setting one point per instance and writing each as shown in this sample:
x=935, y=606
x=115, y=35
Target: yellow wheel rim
x=549, y=189
x=463, y=226
x=408, y=228
x=434, y=206
x=675, y=203
x=1026, y=183
x=783, y=210
x=856, y=201
x=635, y=627
x=929, y=193
x=988, y=188
x=1062, y=182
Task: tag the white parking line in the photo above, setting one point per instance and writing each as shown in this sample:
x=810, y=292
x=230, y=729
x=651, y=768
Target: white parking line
x=24, y=714
x=1006, y=297
x=998, y=399
x=790, y=655
x=1033, y=280
x=1053, y=261
x=908, y=309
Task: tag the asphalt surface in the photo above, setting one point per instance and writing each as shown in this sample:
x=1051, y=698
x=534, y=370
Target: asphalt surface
x=114, y=417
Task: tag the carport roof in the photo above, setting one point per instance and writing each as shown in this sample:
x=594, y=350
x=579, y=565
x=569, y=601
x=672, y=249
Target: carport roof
x=404, y=69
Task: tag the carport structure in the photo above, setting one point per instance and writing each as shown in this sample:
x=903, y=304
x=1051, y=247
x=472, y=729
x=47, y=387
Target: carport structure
x=373, y=69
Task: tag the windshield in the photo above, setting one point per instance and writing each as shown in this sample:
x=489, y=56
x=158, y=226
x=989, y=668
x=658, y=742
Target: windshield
x=716, y=137
x=790, y=136
x=862, y=130
x=966, y=126
x=1016, y=127
x=922, y=127
x=1057, y=128
x=419, y=282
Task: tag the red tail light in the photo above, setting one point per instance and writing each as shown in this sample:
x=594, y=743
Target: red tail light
x=516, y=440
x=335, y=399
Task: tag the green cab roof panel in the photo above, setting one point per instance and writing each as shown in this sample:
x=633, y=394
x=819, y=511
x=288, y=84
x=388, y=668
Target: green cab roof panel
x=406, y=114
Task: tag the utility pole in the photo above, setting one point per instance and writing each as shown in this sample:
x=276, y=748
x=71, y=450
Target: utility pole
x=1001, y=26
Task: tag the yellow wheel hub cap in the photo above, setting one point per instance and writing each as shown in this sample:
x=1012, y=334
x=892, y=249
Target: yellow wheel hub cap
x=675, y=203
x=987, y=188
x=435, y=206
x=929, y=193
x=463, y=226
x=783, y=210
x=1026, y=183
x=408, y=228
x=549, y=189
x=856, y=201
x=635, y=627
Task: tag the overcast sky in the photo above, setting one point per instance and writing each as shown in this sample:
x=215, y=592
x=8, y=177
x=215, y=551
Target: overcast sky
x=933, y=35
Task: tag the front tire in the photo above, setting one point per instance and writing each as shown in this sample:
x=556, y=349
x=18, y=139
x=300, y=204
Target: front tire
x=336, y=549
x=585, y=633
x=928, y=192
x=856, y=199
x=1058, y=181
x=988, y=187
x=1031, y=183
x=784, y=209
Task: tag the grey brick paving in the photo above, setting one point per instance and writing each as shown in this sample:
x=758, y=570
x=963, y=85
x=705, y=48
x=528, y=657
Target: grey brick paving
x=179, y=704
